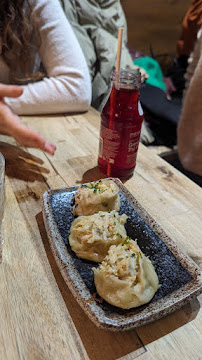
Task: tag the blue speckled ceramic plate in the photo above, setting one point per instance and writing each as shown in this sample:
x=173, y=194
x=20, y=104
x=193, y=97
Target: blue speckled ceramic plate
x=178, y=275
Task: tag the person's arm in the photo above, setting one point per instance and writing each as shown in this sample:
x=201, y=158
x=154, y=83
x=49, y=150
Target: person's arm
x=67, y=86
x=190, y=125
x=11, y=125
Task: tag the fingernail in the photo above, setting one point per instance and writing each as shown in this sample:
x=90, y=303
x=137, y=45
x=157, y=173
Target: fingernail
x=49, y=147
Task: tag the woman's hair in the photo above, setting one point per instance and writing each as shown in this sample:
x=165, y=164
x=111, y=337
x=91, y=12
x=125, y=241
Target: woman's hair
x=18, y=28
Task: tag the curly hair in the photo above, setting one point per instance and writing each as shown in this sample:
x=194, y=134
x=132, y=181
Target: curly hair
x=18, y=28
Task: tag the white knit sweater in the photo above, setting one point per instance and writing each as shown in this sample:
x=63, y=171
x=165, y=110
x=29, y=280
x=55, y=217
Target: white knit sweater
x=66, y=86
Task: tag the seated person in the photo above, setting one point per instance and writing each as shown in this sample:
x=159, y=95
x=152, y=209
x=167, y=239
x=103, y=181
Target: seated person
x=190, y=124
x=190, y=27
x=96, y=25
x=35, y=33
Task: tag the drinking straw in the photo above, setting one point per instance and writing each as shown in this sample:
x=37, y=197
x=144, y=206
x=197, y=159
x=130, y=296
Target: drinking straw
x=112, y=100
x=118, y=56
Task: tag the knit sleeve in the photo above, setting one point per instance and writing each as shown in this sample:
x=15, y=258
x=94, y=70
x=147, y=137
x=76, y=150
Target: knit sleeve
x=67, y=86
x=190, y=125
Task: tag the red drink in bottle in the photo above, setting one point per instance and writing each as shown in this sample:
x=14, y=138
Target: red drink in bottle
x=121, y=121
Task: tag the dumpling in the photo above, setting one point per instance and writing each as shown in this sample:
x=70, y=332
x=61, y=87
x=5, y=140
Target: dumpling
x=126, y=278
x=91, y=236
x=101, y=195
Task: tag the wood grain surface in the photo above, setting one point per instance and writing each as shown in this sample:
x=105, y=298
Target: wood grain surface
x=40, y=319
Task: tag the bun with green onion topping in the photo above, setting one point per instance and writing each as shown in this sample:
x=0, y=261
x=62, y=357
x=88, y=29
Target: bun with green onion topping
x=100, y=195
x=91, y=236
x=126, y=278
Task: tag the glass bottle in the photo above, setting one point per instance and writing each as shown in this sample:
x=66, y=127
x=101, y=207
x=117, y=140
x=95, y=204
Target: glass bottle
x=121, y=121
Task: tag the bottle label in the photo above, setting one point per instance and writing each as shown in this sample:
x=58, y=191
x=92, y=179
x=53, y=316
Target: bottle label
x=109, y=144
x=118, y=147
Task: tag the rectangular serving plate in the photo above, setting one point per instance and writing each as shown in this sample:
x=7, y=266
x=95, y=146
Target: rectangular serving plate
x=179, y=277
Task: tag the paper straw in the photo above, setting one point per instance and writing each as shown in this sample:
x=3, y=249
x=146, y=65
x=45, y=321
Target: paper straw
x=112, y=102
x=118, y=57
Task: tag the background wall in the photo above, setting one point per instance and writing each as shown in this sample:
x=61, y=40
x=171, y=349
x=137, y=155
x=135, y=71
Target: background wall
x=154, y=22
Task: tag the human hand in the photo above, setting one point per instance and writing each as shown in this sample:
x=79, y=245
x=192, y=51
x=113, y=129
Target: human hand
x=11, y=125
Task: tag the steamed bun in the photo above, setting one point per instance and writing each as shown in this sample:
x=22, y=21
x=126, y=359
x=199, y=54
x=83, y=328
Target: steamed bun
x=101, y=195
x=126, y=278
x=91, y=236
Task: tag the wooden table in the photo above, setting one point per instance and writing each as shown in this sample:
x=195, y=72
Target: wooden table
x=39, y=318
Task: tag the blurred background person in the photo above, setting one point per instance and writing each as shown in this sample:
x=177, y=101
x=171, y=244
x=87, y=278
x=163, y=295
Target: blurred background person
x=190, y=124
